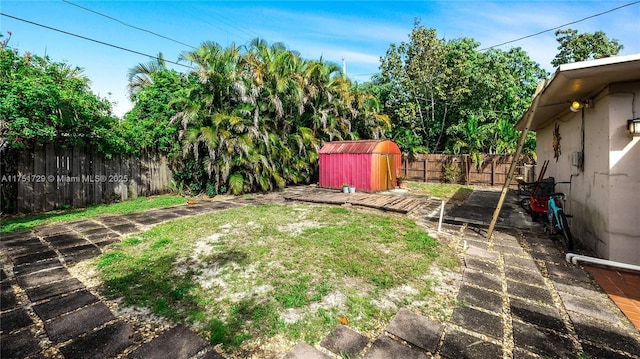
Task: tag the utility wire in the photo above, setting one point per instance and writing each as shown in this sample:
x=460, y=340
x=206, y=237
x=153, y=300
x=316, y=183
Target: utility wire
x=561, y=26
x=94, y=40
x=128, y=25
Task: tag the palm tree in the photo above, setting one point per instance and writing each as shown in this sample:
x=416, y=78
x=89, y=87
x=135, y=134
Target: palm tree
x=141, y=75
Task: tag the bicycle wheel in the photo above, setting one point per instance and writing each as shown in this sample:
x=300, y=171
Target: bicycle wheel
x=525, y=203
x=566, y=231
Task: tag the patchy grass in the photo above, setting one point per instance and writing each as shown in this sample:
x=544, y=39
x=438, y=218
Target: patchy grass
x=257, y=272
x=12, y=224
x=447, y=192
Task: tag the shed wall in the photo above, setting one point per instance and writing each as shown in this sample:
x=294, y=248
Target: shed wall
x=351, y=168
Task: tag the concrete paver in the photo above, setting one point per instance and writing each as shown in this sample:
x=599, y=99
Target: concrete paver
x=481, y=322
x=305, y=351
x=103, y=343
x=481, y=298
x=63, y=304
x=20, y=344
x=416, y=329
x=177, y=342
x=79, y=322
x=385, y=348
x=344, y=340
x=459, y=345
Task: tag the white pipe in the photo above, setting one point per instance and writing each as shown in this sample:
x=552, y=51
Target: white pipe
x=574, y=258
x=441, y=215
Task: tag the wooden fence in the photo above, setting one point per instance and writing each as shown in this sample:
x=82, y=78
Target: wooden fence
x=48, y=177
x=492, y=170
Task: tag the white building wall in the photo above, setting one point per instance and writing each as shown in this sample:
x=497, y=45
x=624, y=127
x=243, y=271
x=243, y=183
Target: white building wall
x=624, y=175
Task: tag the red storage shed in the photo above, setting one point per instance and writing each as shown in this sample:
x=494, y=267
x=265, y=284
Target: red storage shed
x=369, y=165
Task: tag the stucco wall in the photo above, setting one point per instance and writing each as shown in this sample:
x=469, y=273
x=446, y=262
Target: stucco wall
x=624, y=175
x=586, y=188
x=603, y=196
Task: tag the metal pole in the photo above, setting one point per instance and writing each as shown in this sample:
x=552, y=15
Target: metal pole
x=512, y=168
x=441, y=215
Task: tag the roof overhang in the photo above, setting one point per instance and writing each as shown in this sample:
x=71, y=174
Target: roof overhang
x=579, y=81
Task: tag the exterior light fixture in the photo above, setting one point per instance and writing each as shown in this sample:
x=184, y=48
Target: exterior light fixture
x=633, y=127
x=577, y=105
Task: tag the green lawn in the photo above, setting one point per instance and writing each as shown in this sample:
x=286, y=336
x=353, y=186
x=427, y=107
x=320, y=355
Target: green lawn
x=250, y=274
x=16, y=223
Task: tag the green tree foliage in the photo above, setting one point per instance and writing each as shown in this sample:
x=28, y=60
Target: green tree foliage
x=252, y=118
x=576, y=47
x=45, y=101
x=447, y=96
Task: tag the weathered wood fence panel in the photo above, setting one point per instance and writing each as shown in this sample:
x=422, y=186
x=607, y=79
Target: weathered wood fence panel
x=49, y=177
x=491, y=171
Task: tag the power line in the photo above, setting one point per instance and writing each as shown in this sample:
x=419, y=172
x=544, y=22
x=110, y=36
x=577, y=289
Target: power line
x=94, y=40
x=558, y=27
x=128, y=25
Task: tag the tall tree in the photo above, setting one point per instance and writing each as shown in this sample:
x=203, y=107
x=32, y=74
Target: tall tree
x=576, y=47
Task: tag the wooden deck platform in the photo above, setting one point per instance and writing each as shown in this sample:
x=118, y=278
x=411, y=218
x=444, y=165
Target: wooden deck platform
x=391, y=203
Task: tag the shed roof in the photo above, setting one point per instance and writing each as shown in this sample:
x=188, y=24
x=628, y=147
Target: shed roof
x=360, y=146
x=579, y=81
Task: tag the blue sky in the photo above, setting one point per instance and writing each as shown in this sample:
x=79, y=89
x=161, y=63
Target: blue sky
x=358, y=31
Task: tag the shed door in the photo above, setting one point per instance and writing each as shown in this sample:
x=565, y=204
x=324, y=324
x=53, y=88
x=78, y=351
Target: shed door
x=388, y=163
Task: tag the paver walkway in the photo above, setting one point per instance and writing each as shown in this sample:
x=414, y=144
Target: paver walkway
x=518, y=299
x=46, y=312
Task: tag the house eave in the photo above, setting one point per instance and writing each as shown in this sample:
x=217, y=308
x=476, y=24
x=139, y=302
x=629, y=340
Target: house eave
x=579, y=81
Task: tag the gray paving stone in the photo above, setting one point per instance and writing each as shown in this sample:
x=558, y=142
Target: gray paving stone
x=8, y=298
x=593, y=306
x=83, y=224
x=416, y=329
x=53, y=289
x=43, y=277
x=63, y=304
x=23, y=247
x=541, y=342
x=458, y=345
x=33, y=257
x=537, y=314
x=521, y=262
x=569, y=272
x=77, y=254
x=554, y=257
x=480, y=298
x=519, y=353
x=526, y=291
x=606, y=334
x=305, y=351
x=125, y=228
x=482, y=253
x=477, y=243
x=15, y=236
x=482, y=266
x=598, y=352
x=178, y=342
x=578, y=288
x=21, y=344
x=524, y=276
x=99, y=230
x=482, y=279
x=477, y=321
x=104, y=343
x=3, y=275
x=82, y=321
x=15, y=319
x=386, y=348
x=514, y=249
x=344, y=340
x=65, y=240
x=29, y=268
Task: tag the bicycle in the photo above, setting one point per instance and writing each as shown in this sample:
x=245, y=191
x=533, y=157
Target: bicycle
x=557, y=219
